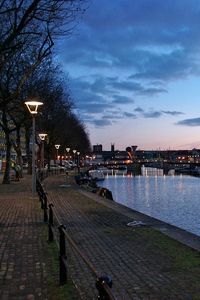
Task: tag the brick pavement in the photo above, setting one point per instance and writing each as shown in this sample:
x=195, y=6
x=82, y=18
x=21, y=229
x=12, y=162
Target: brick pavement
x=23, y=270
x=139, y=269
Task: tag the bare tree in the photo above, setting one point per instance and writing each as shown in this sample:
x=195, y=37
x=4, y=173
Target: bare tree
x=24, y=20
x=27, y=32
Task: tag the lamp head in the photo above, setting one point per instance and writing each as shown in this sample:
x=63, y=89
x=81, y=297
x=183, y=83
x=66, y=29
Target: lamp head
x=33, y=106
x=67, y=149
x=42, y=136
x=57, y=146
x=74, y=151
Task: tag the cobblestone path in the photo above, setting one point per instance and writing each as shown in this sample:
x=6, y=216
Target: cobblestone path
x=22, y=273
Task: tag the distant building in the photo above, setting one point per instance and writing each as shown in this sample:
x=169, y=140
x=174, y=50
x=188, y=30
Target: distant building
x=110, y=157
x=97, y=148
x=132, y=154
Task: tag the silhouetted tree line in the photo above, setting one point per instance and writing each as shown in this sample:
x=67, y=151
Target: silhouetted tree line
x=28, y=29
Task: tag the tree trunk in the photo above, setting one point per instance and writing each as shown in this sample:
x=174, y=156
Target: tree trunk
x=19, y=152
x=28, y=152
x=6, y=177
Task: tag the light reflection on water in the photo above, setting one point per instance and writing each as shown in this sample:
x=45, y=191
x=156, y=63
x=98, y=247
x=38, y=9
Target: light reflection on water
x=173, y=199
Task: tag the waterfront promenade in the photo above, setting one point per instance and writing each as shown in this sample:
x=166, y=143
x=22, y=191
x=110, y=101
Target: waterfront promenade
x=143, y=263
x=23, y=272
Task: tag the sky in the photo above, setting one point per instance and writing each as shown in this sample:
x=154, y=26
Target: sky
x=134, y=73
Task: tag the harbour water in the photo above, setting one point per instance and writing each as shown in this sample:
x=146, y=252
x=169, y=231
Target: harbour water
x=172, y=199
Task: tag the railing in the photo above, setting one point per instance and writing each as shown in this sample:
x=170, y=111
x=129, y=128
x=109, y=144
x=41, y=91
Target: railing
x=44, y=173
x=103, y=283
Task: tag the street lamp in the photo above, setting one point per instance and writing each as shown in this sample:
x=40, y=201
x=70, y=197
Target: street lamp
x=74, y=151
x=33, y=107
x=67, y=149
x=42, y=136
x=57, y=148
x=78, y=161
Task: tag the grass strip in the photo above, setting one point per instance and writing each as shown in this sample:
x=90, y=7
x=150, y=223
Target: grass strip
x=55, y=291
x=184, y=258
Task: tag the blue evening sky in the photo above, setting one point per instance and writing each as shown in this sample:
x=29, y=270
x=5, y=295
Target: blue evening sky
x=134, y=72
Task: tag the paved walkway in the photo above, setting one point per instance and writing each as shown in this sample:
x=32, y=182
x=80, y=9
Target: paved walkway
x=139, y=267
x=23, y=269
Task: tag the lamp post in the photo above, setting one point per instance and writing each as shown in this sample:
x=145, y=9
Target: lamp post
x=67, y=149
x=78, y=161
x=74, y=151
x=42, y=137
x=57, y=148
x=33, y=107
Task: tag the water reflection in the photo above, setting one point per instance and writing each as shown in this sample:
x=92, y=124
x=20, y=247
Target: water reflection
x=173, y=199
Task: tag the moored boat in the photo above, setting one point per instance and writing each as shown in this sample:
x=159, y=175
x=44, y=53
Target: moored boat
x=120, y=170
x=106, y=171
x=114, y=170
x=97, y=175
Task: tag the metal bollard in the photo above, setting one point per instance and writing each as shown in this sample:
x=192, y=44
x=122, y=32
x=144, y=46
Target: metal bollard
x=37, y=186
x=50, y=237
x=103, y=295
x=45, y=207
x=62, y=256
x=40, y=198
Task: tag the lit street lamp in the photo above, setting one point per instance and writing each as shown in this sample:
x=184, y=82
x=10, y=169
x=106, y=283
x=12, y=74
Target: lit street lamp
x=57, y=148
x=78, y=161
x=33, y=107
x=42, y=136
x=74, y=151
x=67, y=149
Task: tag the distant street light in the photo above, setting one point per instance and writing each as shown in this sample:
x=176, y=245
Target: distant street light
x=67, y=149
x=42, y=136
x=57, y=148
x=33, y=107
x=74, y=151
x=78, y=161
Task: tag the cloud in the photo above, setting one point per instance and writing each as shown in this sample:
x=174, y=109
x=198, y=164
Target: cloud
x=139, y=109
x=152, y=114
x=152, y=91
x=118, y=99
x=110, y=118
x=118, y=59
x=129, y=115
x=101, y=123
x=109, y=91
x=116, y=115
x=126, y=85
x=157, y=114
x=112, y=115
x=102, y=96
x=156, y=40
x=94, y=108
x=166, y=66
x=100, y=85
x=190, y=122
x=172, y=113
